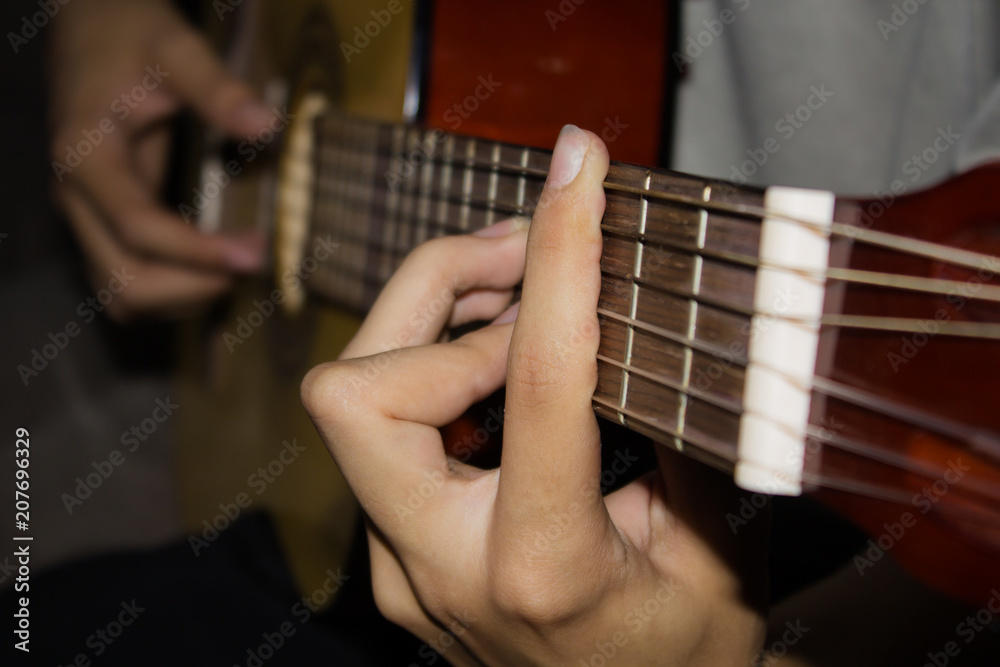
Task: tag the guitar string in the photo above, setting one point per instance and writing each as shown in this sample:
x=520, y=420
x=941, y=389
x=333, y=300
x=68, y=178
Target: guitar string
x=908, y=325
x=946, y=254
x=978, y=440
x=930, y=250
x=698, y=203
x=941, y=287
x=877, y=490
x=886, y=323
x=902, y=412
x=981, y=330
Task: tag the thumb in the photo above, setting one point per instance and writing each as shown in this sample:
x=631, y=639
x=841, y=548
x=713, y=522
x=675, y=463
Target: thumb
x=190, y=68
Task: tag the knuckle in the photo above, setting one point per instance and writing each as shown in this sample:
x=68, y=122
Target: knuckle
x=530, y=595
x=328, y=389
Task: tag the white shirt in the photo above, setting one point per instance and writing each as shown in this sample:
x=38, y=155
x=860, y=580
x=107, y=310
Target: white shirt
x=848, y=95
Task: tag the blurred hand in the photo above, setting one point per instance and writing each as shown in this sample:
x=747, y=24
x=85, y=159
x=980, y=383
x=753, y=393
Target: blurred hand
x=528, y=564
x=120, y=68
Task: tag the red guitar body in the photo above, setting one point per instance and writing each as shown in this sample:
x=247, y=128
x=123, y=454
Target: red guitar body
x=564, y=75
x=940, y=374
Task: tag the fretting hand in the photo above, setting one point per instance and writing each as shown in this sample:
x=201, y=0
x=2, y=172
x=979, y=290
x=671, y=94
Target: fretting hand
x=528, y=563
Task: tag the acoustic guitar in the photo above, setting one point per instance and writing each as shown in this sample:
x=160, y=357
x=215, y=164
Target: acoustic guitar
x=802, y=342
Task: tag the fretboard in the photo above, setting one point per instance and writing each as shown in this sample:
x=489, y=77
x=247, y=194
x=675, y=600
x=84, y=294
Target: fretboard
x=700, y=349
x=678, y=268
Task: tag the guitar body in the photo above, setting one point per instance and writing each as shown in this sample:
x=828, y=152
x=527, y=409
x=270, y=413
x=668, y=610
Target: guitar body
x=514, y=72
x=931, y=373
x=500, y=70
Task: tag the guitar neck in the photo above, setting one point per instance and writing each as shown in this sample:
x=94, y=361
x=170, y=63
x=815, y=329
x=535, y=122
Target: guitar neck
x=678, y=274
x=712, y=303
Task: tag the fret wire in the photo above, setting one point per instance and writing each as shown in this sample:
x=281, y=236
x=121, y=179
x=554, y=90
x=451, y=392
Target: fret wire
x=361, y=219
x=406, y=231
x=522, y=179
x=494, y=179
x=349, y=165
x=446, y=176
x=688, y=359
x=663, y=380
x=708, y=348
x=392, y=202
x=355, y=217
x=470, y=153
x=337, y=194
x=722, y=452
x=426, y=183
x=377, y=209
x=634, y=299
x=342, y=159
x=349, y=287
x=627, y=356
x=693, y=310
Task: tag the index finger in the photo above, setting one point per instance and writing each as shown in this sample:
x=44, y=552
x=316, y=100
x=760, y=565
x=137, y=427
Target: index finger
x=551, y=441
